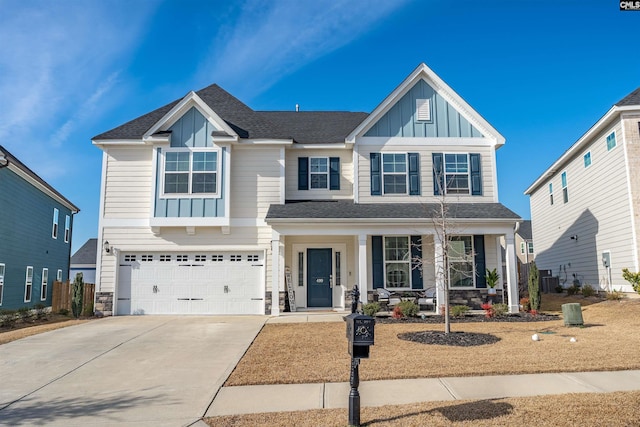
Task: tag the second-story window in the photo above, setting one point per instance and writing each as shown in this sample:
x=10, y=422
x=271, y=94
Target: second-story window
x=54, y=228
x=457, y=173
x=189, y=172
x=611, y=141
x=394, y=173
x=319, y=172
x=530, y=247
x=550, y=193
x=565, y=190
x=67, y=228
x=522, y=248
x=587, y=159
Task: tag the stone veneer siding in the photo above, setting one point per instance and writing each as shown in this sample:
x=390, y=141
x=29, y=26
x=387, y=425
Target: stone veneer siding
x=104, y=304
x=268, y=302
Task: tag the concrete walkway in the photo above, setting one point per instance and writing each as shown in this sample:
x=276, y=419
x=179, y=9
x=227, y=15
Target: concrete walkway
x=302, y=397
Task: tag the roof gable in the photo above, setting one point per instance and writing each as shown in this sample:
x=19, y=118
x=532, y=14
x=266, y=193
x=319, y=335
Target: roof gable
x=422, y=72
x=86, y=255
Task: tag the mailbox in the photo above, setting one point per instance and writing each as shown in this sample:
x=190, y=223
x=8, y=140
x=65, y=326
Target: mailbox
x=360, y=334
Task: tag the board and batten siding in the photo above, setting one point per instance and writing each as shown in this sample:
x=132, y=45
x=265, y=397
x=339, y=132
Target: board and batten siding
x=128, y=187
x=597, y=213
x=445, y=120
x=426, y=173
x=255, y=181
x=346, y=175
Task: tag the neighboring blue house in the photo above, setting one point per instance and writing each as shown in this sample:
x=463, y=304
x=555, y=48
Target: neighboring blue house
x=35, y=235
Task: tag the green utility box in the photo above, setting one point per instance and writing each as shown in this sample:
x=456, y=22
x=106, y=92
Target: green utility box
x=572, y=314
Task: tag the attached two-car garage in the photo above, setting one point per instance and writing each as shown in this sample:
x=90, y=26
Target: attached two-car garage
x=191, y=283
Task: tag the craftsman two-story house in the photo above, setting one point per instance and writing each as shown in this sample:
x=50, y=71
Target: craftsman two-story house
x=210, y=207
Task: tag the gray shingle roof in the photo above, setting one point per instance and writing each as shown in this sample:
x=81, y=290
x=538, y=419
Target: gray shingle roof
x=316, y=126
x=247, y=123
x=524, y=230
x=14, y=160
x=86, y=254
x=632, y=99
x=347, y=209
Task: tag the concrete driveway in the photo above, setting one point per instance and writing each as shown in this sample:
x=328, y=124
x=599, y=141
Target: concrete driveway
x=133, y=370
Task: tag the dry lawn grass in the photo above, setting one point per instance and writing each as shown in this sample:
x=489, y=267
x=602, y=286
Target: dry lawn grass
x=610, y=410
x=317, y=352
x=26, y=331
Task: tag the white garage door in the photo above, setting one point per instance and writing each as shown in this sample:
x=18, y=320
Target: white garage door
x=191, y=283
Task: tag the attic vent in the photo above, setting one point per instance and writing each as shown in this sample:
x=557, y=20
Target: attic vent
x=423, y=110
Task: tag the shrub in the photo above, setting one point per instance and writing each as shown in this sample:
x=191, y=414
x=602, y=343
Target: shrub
x=488, y=310
x=500, y=309
x=8, y=318
x=573, y=290
x=524, y=302
x=24, y=313
x=88, y=309
x=397, y=312
x=40, y=311
x=409, y=308
x=615, y=295
x=559, y=289
x=76, y=295
x=534, y=287
x=633, y=278
x=588, y=291
x=459, y=310
x=369, y=309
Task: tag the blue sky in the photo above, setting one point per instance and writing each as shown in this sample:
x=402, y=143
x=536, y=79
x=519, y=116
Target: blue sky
x=540, y=71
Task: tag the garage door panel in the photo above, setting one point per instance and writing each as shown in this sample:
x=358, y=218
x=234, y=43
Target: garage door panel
x=203, y=283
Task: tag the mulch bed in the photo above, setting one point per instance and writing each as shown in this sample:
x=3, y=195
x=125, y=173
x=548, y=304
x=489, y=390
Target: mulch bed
x=458, y=339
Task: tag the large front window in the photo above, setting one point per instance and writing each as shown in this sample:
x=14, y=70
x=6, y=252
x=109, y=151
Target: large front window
x=190, y=172
x=456, y=169
x=397, y=262
x=394, y=170
x=461, y=266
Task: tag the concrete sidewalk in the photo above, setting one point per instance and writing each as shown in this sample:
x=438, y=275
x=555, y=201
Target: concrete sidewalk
x=302, y=397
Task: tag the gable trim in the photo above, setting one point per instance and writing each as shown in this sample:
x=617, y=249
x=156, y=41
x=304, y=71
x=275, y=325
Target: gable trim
x=447, y=93
x=190, y=100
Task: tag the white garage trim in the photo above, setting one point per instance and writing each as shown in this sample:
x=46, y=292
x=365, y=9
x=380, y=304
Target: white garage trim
x=180, y=282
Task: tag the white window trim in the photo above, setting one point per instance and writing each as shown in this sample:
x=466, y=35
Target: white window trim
x=54, y=225
x=406, y=173
x=473, y=264
x=530, y=248
x=3, y=271
x=44, y=284
x=67, y=228
x=584, y=156
x=190, y=195
x=59, y=275
x=615, y=139
x=523, y=248
x=327, y=173
x=28, y=282
x=384, y=263
x=444, y=172
x=565, y=187
x=551, y=193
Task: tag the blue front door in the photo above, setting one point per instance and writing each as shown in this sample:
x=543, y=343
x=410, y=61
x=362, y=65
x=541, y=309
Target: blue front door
x=319, y=278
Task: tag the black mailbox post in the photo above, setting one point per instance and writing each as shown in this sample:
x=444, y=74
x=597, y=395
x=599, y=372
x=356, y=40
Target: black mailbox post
x=360, y=335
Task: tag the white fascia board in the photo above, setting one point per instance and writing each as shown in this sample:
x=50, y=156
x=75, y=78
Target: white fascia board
x=360, y=221
x=579, y=144
x=22, y=174
x=106, y=142
x=331, y=146
x=443, y=89
x=355, y=229
x=265, y=142
x=425, y=141
x=190, y=100
x=184, y=248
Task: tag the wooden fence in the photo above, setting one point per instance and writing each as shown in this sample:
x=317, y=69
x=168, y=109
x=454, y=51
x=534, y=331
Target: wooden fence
x=61, y=299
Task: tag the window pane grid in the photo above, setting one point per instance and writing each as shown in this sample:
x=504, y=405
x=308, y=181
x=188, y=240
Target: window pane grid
x=319, y=172
x=190, y=172
x=394, y=168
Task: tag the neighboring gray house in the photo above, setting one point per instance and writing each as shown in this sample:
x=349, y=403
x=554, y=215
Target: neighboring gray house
x=84, y=261
x=585, y=208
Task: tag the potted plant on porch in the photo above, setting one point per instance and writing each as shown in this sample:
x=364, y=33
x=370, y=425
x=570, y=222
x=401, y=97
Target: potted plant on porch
x=492, y=278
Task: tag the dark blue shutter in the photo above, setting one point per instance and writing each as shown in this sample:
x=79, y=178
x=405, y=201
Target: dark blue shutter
x=414, y=174
x=303, y=173
x=376, y=178
x=479, y=260
x=438, y=174
x=416, y=270
x=377, y=262
x=334, y=173
x=476, y=175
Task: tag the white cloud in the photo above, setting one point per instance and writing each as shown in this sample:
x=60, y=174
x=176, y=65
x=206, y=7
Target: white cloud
x=272, y=39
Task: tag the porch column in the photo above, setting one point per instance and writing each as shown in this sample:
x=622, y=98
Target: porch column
x=362, y=268
x=512, y=280
x=275, y=274
x=439, y=271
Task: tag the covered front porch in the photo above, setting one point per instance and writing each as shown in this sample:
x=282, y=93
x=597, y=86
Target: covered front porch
x=317, y=261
